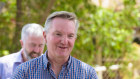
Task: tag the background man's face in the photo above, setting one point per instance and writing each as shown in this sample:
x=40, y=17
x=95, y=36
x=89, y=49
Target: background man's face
x=33, y=46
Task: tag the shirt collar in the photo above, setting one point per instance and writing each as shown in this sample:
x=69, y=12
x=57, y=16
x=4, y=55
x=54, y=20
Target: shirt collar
x=18, y=57
x=67, y=64
x=46, y=61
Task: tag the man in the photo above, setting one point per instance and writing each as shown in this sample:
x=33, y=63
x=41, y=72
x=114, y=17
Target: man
x=32, y=42
x=60, y=35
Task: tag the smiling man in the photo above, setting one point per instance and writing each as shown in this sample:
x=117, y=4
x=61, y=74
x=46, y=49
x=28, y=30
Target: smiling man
x=57, y=63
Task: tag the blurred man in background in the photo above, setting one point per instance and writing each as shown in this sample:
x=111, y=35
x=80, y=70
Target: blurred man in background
x=32, y=42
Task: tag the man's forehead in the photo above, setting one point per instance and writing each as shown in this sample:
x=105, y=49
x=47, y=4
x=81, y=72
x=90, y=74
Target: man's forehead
x=34, y=38
x=32, y=35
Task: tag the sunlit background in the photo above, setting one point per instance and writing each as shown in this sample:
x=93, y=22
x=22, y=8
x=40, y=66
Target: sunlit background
x=108, y=37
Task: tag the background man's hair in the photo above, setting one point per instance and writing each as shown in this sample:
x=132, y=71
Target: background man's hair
x=31, y=29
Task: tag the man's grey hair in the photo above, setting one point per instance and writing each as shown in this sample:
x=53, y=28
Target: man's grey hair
x=61, y=14
x=31, y=29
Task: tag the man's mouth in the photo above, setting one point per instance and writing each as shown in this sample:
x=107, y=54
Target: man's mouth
x=62, y=47
x=34, y=55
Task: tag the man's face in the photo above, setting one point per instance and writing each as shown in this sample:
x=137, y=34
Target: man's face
x=60, y=38
x=33, y=46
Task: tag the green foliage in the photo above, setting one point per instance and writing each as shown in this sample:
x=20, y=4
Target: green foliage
x=4, y=52
x=7, y=19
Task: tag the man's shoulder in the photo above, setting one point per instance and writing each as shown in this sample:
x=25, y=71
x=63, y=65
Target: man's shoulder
x=31, y=63
x=7, y=58
x=82, y=65
x=85, y=69
x=27, y=67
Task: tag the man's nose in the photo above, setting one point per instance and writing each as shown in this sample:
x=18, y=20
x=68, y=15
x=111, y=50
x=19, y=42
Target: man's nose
x=36, y=49
x=64, y=40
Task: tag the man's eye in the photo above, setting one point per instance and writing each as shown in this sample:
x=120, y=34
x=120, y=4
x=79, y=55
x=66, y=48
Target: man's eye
x=71, y=36
x=58, y=34
x=32, y=45
x=41, y=45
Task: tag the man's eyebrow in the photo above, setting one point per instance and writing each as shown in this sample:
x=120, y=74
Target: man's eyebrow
x=56, y=31
x=41, y=44
x=72, y=34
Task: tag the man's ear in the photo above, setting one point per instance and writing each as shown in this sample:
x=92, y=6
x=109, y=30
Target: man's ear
x=44, y=35
x=21, y=42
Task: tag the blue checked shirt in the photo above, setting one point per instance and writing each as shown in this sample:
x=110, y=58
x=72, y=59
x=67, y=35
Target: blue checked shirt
x=40, y=68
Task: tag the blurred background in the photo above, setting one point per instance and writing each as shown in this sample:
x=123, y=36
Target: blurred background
x=108, y=37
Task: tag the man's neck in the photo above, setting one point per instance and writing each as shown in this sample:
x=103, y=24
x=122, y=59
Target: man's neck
x=23, y=57
x=56, y=64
